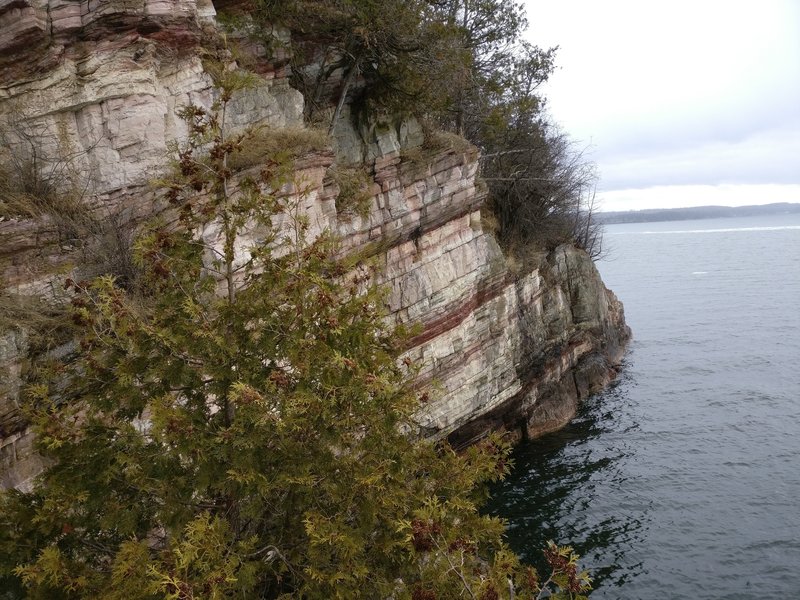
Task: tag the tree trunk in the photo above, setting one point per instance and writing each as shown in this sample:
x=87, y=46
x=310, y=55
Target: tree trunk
x=343, y=94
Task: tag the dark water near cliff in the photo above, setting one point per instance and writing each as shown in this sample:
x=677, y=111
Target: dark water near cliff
x=683, y=480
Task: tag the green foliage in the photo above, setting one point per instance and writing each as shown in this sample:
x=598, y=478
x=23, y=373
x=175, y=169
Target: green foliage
x=269, y=145
x=419, y=157
x=354, y=195
x=237, y=429
x=386, y=53
x=463, y=67
x=540, y=186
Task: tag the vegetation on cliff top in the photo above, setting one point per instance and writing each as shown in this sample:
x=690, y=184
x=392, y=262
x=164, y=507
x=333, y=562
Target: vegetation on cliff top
x=460, y=66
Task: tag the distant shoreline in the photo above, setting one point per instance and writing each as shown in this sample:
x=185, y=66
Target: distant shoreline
x=695, y=212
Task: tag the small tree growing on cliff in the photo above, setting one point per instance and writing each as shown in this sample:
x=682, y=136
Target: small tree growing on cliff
x=238, y=432
x=377, y=43
x=462, y=66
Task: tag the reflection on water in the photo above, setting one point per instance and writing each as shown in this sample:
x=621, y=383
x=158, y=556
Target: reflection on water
x=557, y=491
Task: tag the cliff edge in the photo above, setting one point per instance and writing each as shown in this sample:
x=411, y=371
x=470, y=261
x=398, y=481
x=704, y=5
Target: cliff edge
x=502, y=348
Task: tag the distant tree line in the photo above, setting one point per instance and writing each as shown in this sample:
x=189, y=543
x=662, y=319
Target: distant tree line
x=461, y=66
x=697, y=212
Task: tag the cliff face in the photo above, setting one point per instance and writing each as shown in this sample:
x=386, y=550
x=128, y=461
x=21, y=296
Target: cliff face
x=500, y=350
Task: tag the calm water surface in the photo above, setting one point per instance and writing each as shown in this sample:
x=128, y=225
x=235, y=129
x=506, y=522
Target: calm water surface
x=683, y=480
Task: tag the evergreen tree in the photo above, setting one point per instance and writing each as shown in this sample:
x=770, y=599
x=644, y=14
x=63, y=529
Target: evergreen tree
x=242, y=426
x=462, y=66
x=381, y=49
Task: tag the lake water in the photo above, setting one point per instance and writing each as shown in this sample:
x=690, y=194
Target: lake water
x=683, y=479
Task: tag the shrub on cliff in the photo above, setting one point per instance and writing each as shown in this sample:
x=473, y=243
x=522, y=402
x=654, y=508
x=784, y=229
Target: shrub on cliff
x=381, y=52
x=463, y=67
x=44, y=181
x=243, y=428
x=540, y=185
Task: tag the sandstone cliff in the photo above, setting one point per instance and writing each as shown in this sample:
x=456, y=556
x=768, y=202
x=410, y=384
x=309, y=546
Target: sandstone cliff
x=500, y=350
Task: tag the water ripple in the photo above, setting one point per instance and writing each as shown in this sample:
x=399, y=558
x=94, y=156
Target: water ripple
x=681, y=480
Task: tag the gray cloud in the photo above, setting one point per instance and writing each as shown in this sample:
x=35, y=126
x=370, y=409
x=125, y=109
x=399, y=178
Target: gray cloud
x=771, y=156
x=689, y=93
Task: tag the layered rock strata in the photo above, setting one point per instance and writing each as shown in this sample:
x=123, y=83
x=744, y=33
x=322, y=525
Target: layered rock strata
x=499, y=350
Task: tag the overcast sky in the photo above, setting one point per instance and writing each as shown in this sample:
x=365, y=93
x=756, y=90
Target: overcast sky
x=679, y=102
